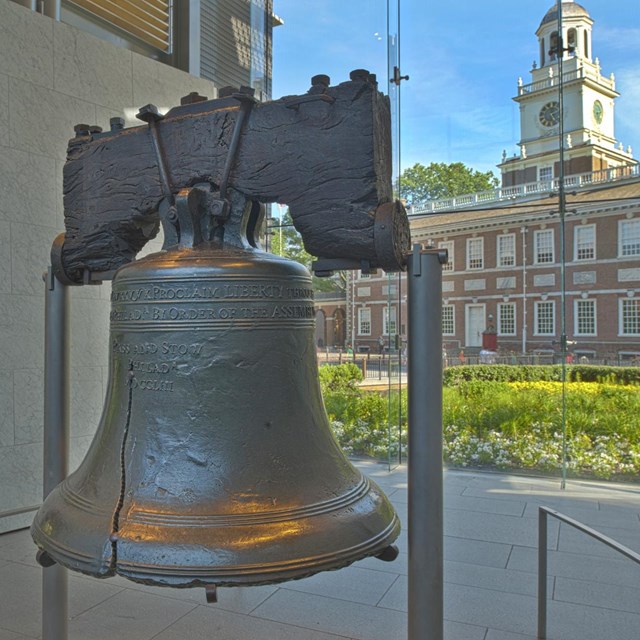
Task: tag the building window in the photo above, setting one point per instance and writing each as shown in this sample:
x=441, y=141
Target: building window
x=389, y=320
x=475, y=253
x=448, y=245
x=543, y=246
x=448, y=320
x=544, y=318
x=364, y=321
x=363, y=276
x=629, y=238
x=585, y=242
x=507, y=319
x=585, y=317
x=506, y=250
x=546, y=173
x=630, y=316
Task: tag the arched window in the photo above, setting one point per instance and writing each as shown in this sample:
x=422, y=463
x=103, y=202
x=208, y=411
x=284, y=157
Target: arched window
x=542, y=52
x=553, y=45
x=572, y=40
x=586, y=44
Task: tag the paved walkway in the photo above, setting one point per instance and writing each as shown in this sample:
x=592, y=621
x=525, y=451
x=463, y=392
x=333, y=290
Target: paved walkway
x=490, y=578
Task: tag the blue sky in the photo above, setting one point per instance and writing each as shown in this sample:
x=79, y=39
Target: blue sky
x=463, y=57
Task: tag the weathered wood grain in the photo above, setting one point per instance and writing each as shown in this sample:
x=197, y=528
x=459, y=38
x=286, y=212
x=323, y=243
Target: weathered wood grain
x=327, y=155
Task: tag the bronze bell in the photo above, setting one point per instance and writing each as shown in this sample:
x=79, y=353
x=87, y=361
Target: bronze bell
x=213, y=463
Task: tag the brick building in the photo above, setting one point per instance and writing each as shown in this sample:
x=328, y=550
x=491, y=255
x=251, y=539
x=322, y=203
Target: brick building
x=503, y=285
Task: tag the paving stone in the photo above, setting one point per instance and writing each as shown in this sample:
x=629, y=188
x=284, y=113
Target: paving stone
x=487, y=554
x=485, y=505
x=611, y=571
x=576, y=541
x=567, y=621
x=140, y=615
x=359, y=621
x=21, y=604
x=354, y=584
x=618, y=518
x=495, y=528
x=204, y=622
x=597, y=594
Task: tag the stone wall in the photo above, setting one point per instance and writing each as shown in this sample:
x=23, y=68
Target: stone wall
x=53, y=76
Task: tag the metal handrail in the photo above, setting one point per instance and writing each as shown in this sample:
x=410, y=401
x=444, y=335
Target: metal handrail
x=543, y=512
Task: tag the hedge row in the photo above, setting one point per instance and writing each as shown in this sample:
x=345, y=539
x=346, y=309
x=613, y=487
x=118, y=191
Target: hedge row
x=546, y=373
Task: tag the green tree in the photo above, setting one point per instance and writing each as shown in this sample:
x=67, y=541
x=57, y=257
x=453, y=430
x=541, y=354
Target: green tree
x=284, y=240
x=440, y=180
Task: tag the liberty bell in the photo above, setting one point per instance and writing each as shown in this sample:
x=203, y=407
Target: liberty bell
x=213, y=463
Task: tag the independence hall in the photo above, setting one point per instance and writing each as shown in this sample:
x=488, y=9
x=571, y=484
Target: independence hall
x=502, y=287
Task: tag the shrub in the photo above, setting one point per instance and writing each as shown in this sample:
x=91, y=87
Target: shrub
x=522, y=373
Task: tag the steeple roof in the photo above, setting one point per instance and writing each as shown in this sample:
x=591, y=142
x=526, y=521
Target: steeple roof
x=572, y=9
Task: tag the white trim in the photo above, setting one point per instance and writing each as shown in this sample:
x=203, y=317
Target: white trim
x=499, y=252
x=621, y=302
x=621, y=223
x=467, y=334
x=576, y=231
x=514, y=307
x=536, y=249
x=536, y=305
x=480, y=240
x=453, y=319
x=576, y=323
x=361, y=311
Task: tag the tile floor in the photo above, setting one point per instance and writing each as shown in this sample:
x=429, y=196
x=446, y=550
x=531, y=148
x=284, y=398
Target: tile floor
x=490, y=578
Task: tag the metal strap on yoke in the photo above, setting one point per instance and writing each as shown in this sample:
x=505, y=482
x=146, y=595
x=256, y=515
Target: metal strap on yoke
x=151, y=116
x=247, y=100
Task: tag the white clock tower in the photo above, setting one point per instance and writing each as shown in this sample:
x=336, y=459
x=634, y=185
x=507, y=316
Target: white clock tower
x=588, y=107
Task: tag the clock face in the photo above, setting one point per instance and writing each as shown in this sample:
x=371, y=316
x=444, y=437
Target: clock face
x=598, y=111
x=550, y=114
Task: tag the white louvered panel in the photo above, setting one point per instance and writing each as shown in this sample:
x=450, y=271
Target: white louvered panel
x=148, y=20
x=225, y=54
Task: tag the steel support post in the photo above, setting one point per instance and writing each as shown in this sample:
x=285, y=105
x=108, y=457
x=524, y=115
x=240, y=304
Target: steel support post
x=426, y=602
x=542, y=574
x=56, y=442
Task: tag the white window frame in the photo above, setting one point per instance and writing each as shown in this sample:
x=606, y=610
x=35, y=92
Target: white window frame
x=502, y=255
x=448, y=310
x=502, y=318
x=549, y=248
x=475, y=256
x=635, y=302
x=364, y=321
x=581, y=245
x=537, y=306
x=387, y=325
x=448, y=245
x=629, y=241
x=545, y=174
x=584, y=303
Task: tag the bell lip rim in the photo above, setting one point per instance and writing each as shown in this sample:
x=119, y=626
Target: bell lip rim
x=244, y=575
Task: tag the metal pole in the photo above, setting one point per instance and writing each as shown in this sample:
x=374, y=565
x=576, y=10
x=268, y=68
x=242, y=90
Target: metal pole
x=562, y=207
x=542, y=574
x=56, y=442
x=426, y=610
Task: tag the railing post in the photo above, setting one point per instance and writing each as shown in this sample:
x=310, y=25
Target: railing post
x=542, y=574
